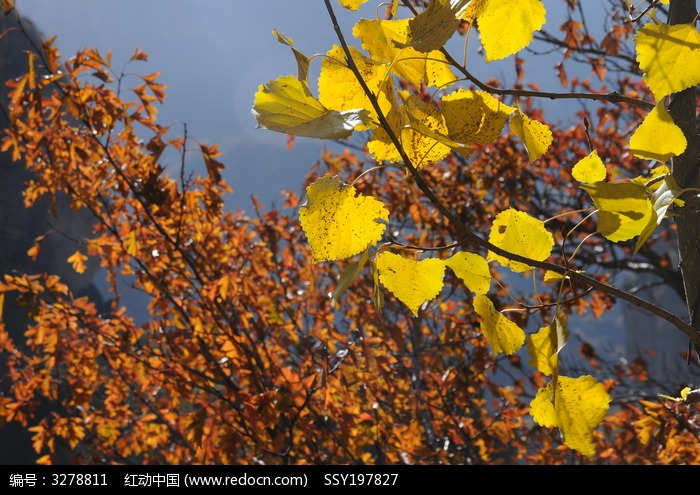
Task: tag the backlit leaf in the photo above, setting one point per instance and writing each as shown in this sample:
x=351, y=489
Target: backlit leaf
x=502, y=334
x=379, y=38
x=422, y=149
x=623, y=209
x=474, y=117
x=473, y=270
x=433, y=27
x=545, y=345
x=473, y=10
x=550, y=276
x=654, y=177
x=302, y=60
x=669, y=57
x=536, y=135
x=338, y=88
x=412, y=282
x=589, y=169
x=658, y=137
x=518, y=233
x=574, y=405
x=338, y=222
x=508, y=26
x=284, y=105
x=663, y=196
x=351, y=4
x=77, y=261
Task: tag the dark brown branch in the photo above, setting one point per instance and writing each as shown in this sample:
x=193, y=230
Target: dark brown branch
x=684, y=167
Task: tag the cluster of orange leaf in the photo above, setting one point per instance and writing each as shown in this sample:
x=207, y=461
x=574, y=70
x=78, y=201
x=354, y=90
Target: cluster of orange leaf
x=245, y=358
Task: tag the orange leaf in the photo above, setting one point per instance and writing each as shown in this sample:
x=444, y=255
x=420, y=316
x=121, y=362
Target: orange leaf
x=77, y=260
x=8, y=6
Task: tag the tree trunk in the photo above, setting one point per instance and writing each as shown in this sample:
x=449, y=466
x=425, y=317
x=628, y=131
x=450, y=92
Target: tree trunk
x=686, y=171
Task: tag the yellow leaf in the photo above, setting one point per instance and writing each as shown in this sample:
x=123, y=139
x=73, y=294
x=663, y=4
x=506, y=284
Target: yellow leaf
x=380, y=145
x=576, y=406
x=132, y=246
x=502, y=334
x=473, y=10
x=518, y=233
x=651, y=181
x=623, y=209
x=412, y=282
x=338, y=88
x=545, y=345
x=550, y=276
x=536, y=135
x=542, y=407
x=474, y=117
x=379, y=38
x=285, y=105
x=473, y=270
x=658, y=137
x=302, y=60
x=508, y=26
x=337, y=222
x=432, y=28
x=422, y=149
x=77, y=261
x=351, y=4
x=669, y=57
x=589, y=169
x=663, y=194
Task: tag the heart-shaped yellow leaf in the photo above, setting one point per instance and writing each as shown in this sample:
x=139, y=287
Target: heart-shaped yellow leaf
x=574, y=405
x=474, y=117
x=589, y=169
x=507, y=26
x=412, y=282
x=658, y=137
x=338, y=222
x=473, y=270
x=536, y=135
x=519, y=233
x=669, y=56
